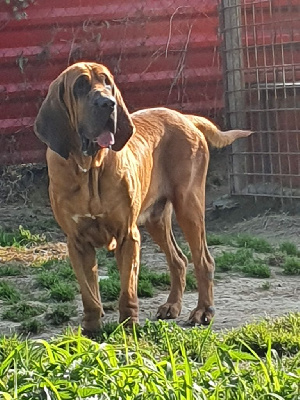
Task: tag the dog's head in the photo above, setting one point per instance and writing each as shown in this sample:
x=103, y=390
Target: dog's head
x=83, y=108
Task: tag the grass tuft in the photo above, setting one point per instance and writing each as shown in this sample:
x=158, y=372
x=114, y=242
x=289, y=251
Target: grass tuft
x=7, y=345
x=145, y=289
x=61, y=313
x=22, y=311
x=54, y=271
x=284, y=333
x=242, y=261
x=31, y=326
x=62, y=291
x=266, y=286
x=148, y=280
x=289, y=248
x=228, y=260
x=11, y=270
x=259, y=245
x=22, y=237
x=218, y=240
x=291, y=266
x=191, y=283
x=9, y=293
x=46, y=279
x=256, y=269
x=110, y=288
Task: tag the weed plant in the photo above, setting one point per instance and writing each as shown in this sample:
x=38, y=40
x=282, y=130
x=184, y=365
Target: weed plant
x=259, y=245
x=11, y=270
x=291, y=266
x=148, y=281
x=242, y=261
x=9, y=293
x=62, y=291
x=61, y=313
x=158, y=361
x=22, y=311
x=31, y=326
x=289, y=248
x=21, y=237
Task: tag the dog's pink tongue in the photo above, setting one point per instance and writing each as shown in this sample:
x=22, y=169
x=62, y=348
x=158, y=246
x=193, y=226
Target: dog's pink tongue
x=106, y=139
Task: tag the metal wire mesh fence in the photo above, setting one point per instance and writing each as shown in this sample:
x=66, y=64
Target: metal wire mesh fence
x=161, y=52
x=261, y=55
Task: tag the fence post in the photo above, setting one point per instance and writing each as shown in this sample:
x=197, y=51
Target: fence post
x=231, y=21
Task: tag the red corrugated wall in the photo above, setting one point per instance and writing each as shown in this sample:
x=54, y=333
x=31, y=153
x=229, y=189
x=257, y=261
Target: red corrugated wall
x=161, y=52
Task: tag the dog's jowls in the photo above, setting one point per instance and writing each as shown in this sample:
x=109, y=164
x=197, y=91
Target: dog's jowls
x=108, y=170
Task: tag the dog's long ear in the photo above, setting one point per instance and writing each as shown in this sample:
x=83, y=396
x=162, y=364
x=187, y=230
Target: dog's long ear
x=125, y=126
x=52, y=124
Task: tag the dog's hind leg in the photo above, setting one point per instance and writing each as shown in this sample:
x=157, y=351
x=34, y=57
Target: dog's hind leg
x=159, y=225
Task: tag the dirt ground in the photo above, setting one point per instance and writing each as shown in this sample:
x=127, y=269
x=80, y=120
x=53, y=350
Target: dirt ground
x=238, y=299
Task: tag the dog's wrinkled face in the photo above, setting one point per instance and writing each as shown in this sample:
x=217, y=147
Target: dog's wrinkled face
x=83, y=105
x=96, y=111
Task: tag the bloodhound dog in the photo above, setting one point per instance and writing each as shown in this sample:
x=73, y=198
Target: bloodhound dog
x=110, y=171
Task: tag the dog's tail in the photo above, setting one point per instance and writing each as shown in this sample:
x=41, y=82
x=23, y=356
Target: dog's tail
x=213, y=135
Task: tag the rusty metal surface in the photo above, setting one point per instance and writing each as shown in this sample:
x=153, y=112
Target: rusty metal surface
x=162, y=53
x=262, y=69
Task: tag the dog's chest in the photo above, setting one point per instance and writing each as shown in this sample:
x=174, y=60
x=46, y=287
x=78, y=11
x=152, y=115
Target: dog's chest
x=100, y=219
x=95, y=229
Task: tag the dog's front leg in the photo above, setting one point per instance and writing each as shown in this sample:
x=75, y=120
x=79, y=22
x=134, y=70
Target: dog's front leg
x=83, y=260
x=128, y=259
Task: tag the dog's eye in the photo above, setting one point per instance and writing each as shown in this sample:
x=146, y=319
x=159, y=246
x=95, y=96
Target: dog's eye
x=82, y=86
x=108, y=87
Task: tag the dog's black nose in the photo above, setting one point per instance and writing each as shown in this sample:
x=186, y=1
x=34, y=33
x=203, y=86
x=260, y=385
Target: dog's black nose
x=104, y=102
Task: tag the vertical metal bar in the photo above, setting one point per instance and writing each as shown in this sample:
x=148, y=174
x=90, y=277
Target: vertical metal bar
x=268, y=145
x=274, y=64
x=234, y=84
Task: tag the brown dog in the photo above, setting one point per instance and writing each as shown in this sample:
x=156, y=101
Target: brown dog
x=110, y=171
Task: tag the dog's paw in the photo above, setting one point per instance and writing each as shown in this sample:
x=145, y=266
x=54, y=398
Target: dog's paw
x=201, y=316
x=91, y=334
x=169, y=311
x=129, y=322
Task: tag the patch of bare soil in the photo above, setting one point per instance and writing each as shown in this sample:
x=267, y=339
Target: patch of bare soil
x=237, y=299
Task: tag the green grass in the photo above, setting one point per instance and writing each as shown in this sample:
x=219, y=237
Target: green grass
x=62, y=291
x=291, y=266
x=149, y=280
x=46, y=279
x=55, y=271
x=22, y=311
x=61, y=313
x=242, y=261
x=289, y=248
x=256, y=269
x=283, y=331
x=228, y=260
x=145, y=289
x=110, y=288
x=9, y=293
x=266, y=286
x=31, y=326
x=21, y=237
x=11, y=270
x=259, y=245
x=218, y=240
x=191, y=283
x=157, y=361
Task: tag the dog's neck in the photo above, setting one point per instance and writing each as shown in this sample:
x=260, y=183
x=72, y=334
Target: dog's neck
x=85, y=163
